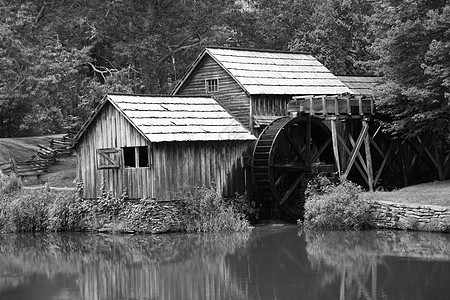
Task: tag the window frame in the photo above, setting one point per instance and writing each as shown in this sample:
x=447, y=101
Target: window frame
x=209, y=82
x=137, y=157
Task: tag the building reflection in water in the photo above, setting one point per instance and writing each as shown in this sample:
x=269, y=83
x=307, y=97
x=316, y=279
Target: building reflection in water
x=375, y=264
x=268, y=263
x=124, y=267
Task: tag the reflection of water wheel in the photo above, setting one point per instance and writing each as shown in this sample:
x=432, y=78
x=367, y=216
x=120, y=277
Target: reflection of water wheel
x=288, y=153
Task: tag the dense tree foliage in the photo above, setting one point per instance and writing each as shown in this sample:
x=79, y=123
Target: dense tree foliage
x=58, y=58
x=413, y=46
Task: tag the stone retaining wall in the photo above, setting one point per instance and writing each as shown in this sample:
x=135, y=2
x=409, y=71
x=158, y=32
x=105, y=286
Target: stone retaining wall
x=393, y=215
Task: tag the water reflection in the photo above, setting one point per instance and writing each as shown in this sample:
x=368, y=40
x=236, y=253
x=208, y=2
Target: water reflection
x=268, y=263
x=382, y=264
x=118, y=267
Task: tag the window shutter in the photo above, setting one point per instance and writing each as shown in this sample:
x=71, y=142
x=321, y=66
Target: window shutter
x=108, y=158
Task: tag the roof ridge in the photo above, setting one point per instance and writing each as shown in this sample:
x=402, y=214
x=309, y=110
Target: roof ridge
x=161, y=95
x=257, y=50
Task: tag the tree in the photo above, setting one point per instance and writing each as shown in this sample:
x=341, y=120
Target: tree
x=337, y=35
x=37, y=69
x=413, y=43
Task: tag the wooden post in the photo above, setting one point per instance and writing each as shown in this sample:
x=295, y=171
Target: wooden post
x=308, y=138
x=349, y=111
x=360, y=105
x=13, y=165
x=335, y=144
x=369, y=169
x=324, y=106
x=372, y=107
x=311, y=106
x=336, y=106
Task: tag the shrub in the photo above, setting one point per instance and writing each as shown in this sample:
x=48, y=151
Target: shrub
x=9, y=183
x=205, y=210
x=242, y=205
x=335, y=206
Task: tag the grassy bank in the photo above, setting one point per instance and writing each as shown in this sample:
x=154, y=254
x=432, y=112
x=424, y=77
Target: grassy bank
x=61, y=174
x=432, y=193
x=345, y=206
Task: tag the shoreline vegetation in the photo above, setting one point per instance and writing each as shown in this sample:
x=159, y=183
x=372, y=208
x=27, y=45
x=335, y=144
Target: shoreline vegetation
x=206, y=211
x=345, y=206
x=23, y=210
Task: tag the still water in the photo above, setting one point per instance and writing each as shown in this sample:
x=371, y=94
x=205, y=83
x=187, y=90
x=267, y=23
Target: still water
x=278, y=262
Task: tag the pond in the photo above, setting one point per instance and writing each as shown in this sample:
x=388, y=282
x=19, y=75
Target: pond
x=274, y=262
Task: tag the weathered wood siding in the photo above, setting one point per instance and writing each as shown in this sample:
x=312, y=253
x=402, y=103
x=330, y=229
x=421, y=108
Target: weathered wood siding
x=270, y=105
x=182, y=166
x=110, y=129
x=230, y=94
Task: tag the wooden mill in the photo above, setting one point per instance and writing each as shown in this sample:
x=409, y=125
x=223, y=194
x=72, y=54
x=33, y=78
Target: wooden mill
x=264, y=122
x=308, y=121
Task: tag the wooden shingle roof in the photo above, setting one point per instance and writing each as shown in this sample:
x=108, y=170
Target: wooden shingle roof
x=179, y=118
x=276, y=73
x=360, y=85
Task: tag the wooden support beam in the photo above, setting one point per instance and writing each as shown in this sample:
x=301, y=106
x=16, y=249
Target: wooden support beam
x=360, y=158
x=386, y=159
x=336, y=106
x=349, y=111
x=324, y=106
x=335, y=144
x=311, y=106
x=360, y=106
x=418, y=152
x=436, y=164
x=372, y=107
x=403, y=165
x=446, y=165
x=344, y=146
x=356, y=149
x=369, y=168
x=308, y=138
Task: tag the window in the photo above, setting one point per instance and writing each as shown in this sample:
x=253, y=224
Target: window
x=212, y=85
x=136, y=157
x=108, y=158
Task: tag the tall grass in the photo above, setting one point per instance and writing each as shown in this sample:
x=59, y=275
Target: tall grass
x=42, y=210
x=205, y=210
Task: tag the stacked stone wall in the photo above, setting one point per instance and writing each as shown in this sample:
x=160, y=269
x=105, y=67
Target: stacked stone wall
x=393, y=215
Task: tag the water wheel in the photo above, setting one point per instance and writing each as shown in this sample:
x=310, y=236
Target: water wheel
x=288, y=153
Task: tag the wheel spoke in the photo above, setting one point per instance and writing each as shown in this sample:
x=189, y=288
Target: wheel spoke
x=292, y=143
x=321, y=150
x=292, y=188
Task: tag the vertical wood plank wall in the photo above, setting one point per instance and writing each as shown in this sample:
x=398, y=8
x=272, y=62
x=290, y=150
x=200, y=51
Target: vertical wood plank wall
x=230, y=95
x=177, y=166
x=111, y=130
x=270, y=105
x=182, y=166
